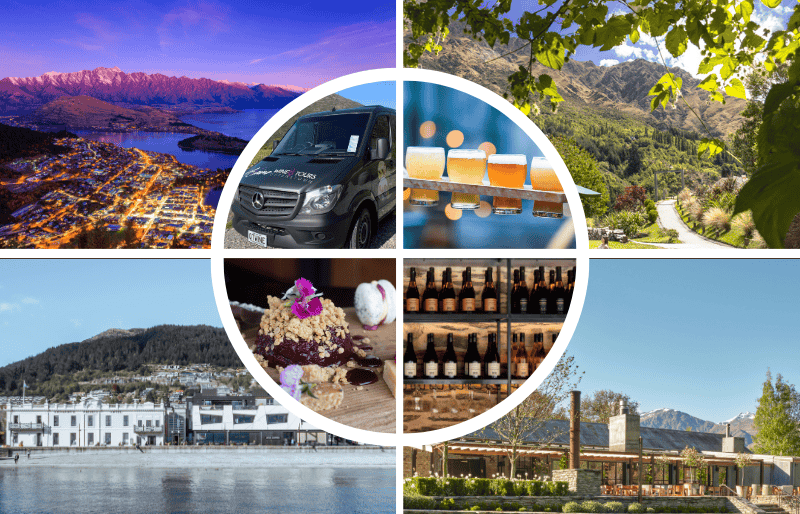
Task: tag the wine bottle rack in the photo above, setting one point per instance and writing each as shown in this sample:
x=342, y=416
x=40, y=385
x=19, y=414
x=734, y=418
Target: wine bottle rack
x=503, y=268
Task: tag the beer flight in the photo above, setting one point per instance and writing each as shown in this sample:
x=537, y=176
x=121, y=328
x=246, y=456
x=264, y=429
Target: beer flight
x=470, y=166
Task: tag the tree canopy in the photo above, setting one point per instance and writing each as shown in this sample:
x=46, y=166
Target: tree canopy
x=729, y=38
x=777, y=419
x=601, y=405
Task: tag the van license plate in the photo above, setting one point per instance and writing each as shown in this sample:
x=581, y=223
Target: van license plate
x=255, y=237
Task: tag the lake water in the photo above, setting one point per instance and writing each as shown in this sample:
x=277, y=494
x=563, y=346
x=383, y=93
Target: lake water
x=243, y=125
x=327, y=490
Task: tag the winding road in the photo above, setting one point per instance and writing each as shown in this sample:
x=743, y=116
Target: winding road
x=669, y=218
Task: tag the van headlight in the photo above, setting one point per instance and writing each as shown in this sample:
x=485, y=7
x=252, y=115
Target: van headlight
x=322, y=200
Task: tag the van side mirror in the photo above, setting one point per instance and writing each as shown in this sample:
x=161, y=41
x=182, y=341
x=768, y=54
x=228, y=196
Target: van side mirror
x=381, y=150
x=275, y=144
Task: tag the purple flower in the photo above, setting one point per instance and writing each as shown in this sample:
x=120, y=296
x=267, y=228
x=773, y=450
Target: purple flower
x=290, y=380
x=303, y=309
x=304, y=287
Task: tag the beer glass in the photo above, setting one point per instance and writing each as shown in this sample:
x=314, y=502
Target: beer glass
x=543, y=178
x=507, y=170
x=466, y=167
x=427, y=163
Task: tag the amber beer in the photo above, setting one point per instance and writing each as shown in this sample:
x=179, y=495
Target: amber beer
x=543, y=178
x=466, y=167
x=507, y=170
x=427, y=163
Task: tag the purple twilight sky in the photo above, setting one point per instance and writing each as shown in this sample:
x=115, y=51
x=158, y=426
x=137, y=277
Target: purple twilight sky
x=302, y=43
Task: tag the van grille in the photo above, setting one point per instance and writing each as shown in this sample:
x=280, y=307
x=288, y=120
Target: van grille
x=276, y=203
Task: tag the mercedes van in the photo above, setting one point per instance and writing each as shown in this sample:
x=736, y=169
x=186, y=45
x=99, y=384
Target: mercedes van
x=326, y=184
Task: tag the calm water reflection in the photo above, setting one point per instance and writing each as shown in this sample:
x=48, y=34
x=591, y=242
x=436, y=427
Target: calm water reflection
x=280, y=490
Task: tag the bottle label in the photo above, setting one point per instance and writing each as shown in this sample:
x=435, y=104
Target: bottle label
x=449, y=305
x=431, y=305
x=474, y=369
x=523, y=305
x=543, y=306
x=410, y=369
x=412, y=304
x=450, y=369
x=431, y=369
x=493, y=369
x=522, y=369
x=560, y=306
x=490, y=305
x=468, y=305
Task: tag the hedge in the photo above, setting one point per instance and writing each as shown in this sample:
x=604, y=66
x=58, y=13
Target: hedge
x=452, y=486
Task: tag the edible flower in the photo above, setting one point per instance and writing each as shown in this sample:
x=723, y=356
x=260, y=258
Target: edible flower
x=303, y=298
x=291, y=382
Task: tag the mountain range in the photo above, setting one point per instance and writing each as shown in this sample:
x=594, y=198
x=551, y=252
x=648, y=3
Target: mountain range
x=615, y=90
x=135, y=90
x=741, y=425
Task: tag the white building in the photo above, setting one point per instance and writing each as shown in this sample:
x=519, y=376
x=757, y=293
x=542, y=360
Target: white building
x=244, y=424
x=88, y=423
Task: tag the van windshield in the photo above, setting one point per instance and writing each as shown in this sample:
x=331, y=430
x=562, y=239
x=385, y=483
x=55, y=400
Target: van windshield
x=328, y=134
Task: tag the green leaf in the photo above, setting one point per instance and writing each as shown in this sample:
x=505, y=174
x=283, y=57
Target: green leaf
x=736, y=89
x=676, y=41
x=709, y=83
x=634, y=36
x=771, y=193
x=744, y=9
x=772, y=4
x=552, y=55
x=709, y=146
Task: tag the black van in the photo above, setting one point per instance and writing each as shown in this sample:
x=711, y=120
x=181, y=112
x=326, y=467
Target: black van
x=327, y=183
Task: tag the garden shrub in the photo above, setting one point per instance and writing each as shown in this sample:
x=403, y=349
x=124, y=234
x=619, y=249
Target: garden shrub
x=652, y=215
x=508, y=507
x=717, y=219
x=630, y=222
x=502, y=487
x=636, y=507
x=534, y=488
x=571, y=507
x=614, y=507
x=476, y=507
x=477, y=487
x=650, y=510
x=649, y=204
x=418, y=502
x=592, y=506
x=447, y=504
x=426, y=486
x=561, y=488
x=520, y=488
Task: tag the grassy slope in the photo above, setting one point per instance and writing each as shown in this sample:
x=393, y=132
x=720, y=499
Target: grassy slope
x=732, y=237
x=613, y=245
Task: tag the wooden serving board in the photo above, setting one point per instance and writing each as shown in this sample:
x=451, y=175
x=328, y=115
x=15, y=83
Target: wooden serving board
x=371, y=408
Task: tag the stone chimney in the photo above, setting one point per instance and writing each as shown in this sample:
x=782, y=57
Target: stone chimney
x=732, y=444
x=575, y=430
x=623, y=430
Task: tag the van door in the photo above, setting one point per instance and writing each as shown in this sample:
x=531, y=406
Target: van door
x=384, y=186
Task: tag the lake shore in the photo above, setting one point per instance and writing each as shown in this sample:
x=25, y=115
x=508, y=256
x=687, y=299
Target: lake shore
x=211, y=457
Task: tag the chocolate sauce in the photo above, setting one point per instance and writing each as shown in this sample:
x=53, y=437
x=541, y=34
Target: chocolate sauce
x=357, y=338
x=303, y=351
x=370, y=361
x=361, y=376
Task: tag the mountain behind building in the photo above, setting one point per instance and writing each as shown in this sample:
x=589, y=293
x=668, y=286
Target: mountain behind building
x=123, y=350
x=741, y=425
x=135, y=90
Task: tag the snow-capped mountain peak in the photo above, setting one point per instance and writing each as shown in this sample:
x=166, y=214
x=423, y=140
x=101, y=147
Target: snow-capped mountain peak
x=740, y=416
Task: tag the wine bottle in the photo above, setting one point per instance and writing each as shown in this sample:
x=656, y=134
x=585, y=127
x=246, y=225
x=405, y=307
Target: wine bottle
x=551, y=298
x=541, y=295
x=523, y=291
x=448, y=294
x=450, y=361
x=431, y=360
x=410, y=358
x=559, y=293
x=467, y=295
x=521, y=358
x=512, y=363
x=412, y=293
x=533, y=305
x=539, y=353
x=472, y=359
x=489, y=294
x=515, y=294
x=430, y=297
x=492, y=358
x=570, y=288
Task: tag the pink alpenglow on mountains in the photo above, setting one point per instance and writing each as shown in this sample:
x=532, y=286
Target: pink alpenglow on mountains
x=20, y=94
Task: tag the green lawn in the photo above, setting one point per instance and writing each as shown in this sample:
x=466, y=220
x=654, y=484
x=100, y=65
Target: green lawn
x=655, y=235
x=614, y=245
x=732, y=237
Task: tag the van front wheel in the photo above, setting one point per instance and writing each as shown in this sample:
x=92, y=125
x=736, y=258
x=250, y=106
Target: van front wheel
x=361, y=232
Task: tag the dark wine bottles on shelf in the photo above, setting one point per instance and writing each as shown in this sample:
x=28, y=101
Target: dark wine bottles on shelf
x=450, y=361
x=430, y=360
x=492, y=358
x=521, y=360
x=430, y=297
x=538, y=350
x=412, y=293
x=467, y=295
x=523, y=291
x=410, y=358
x=489, y=294
x=559, y=294
x=447, y=296
x=472, y=359
x=539, y=296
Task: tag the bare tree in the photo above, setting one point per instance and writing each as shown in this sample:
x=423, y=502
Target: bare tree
x=514, y=429
x=601, y=405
